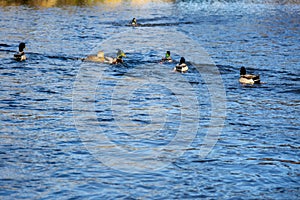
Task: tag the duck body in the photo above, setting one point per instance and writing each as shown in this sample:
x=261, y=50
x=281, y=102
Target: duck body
x=21, y=55
x=181, y=67
x=248, y=78
x=167, y=57
x=167, y=60
x=96, y=58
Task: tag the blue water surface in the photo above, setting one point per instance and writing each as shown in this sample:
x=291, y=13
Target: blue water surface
x=44, y=154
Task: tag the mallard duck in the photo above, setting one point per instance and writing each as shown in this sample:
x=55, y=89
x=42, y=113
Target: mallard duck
x=181, y=67
x=167, y=57
x=21, y=55
x=101, y=58
x=133, y=22
x=248, y=78
x=119, y=58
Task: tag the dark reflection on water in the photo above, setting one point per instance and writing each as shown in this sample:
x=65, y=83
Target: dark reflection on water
x=42, y=155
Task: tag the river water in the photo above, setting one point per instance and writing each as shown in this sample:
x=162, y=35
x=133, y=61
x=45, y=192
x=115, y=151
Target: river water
x=82, y=130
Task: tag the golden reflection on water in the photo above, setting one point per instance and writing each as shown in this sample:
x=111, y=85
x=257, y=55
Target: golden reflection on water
x=54, y=3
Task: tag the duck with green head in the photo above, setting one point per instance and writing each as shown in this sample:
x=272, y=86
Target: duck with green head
x=248, y=78
x=134, y=22
x=181, y=67
x=167, y=57
x=21, y=55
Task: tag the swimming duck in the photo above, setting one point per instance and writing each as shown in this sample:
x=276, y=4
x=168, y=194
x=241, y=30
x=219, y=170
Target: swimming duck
x=167, y=57
x=118, y=59
x=133, y=22
x=101, y=58
x=248, y=78
x=21, y=55
x=181, y=67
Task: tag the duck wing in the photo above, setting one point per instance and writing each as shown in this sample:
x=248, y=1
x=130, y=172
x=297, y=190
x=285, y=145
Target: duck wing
x=109, y=60
x=180, y=66
x=250, y=76
x=17, y=57
x=91, y=58
x=20, y=56
x=94, y=58
x=249, y=79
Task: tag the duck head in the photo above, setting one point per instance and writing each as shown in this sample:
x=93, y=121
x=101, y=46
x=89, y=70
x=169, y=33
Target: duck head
x=133, y=22
x=100, y=54
x=168, y=54
x=243, y=71
x=182, y=60
x=22, y=46
x=120, y=54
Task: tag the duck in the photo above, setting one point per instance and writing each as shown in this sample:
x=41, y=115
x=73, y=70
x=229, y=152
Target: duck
x=181, y=67
x=102, y=59
x=21, y=55
x=167, y=57
x=118, y=59
x=248, y=78
x=134, y=22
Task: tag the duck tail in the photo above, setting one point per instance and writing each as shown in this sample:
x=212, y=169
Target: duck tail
x=256, y=77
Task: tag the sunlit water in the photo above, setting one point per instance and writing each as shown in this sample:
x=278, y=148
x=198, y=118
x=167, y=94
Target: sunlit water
x=45, y=154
